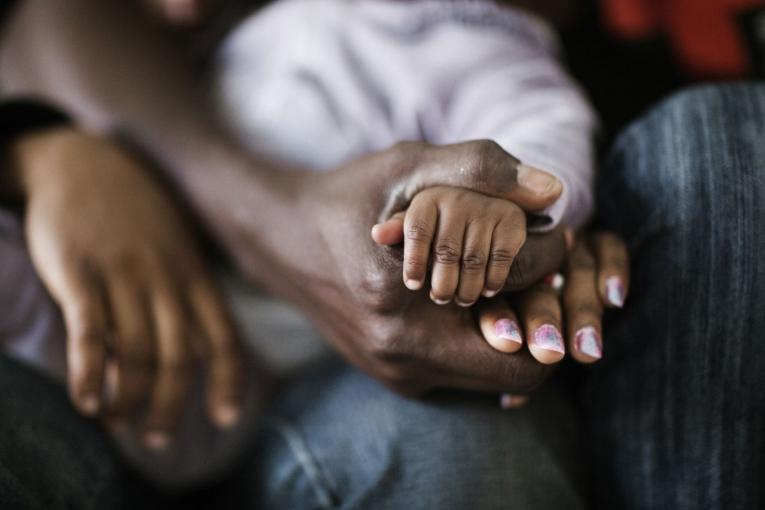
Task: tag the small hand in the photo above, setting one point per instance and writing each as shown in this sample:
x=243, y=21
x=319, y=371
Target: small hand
x=472, y=239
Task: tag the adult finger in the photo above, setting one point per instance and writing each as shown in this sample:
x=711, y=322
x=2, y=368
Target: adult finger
x=134, y=346
x=540, y=313
x=499, y=324
x=86, y=321
x=582, y=306
x=541, y=255
x=613, y=268
x=224, y=354
x=174, y=365
x=481, y=166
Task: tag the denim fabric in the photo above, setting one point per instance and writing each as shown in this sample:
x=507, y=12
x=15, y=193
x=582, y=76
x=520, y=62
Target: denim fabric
x=339, y=440
x=52, y=458
x=676, y=408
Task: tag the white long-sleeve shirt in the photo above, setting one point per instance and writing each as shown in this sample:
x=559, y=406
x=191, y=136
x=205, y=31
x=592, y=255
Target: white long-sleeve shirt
x=319, y=82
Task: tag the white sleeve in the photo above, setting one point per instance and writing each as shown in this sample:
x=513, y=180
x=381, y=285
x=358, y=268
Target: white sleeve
x=512, y=89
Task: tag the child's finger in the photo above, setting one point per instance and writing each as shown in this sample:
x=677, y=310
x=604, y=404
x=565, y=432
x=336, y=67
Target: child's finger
x=540, y=312
x=507, y=240
x=447, y=254
x=390, y=231
x=419, y=227
x=475, y=254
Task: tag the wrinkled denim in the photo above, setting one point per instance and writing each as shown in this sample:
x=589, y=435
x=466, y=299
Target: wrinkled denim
x=676, y=408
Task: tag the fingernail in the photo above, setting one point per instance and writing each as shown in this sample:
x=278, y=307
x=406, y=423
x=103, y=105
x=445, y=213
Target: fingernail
x=507, y=329
x=89, y=404
x=548, y=337
x=156, y=440
x=227, y=415
x=587, y=341
x=463, y=304
x=439, y=301
x=489, y=293
x=536, y=180
x=413, y=284
x=615, y=291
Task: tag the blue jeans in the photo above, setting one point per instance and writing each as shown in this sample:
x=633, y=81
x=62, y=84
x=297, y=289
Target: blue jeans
x=672, y=417
x=676, y=409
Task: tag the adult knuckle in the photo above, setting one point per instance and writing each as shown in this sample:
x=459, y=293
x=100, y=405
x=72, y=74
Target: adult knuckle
x=375, y=290
x=386, y=346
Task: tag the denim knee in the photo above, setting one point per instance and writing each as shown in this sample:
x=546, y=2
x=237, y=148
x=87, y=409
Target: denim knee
x=698, y=154
x=346, y=442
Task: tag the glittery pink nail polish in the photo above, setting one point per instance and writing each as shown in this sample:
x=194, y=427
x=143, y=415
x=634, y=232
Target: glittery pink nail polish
x=587, y=341
x=548, y=337
x=507, y=329
x=615, y=291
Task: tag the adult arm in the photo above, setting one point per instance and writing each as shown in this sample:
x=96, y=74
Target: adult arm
x=303, y=237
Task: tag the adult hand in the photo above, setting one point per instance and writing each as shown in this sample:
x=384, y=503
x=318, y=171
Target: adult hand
x=122, y=265
x=596, y=277
x=317, y=252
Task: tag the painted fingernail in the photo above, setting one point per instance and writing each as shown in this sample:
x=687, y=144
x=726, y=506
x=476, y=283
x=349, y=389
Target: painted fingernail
x=489, y=293
x=157, y=440
x=548, y=337
x=615, y=291
x=89, y=404
x=227, y=415
x=536, y=180
x=507, y=329
x=413, y=284
x=587, y=341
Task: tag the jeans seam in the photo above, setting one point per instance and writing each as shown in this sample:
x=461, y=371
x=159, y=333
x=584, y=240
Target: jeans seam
x=322, y=488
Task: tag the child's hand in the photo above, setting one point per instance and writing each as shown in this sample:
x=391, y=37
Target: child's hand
x=472, y=239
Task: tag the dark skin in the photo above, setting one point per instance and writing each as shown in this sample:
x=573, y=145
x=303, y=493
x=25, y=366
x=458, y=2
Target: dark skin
x=290, y=231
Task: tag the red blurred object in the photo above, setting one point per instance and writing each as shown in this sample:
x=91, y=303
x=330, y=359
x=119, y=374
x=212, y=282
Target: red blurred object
x=709, y=37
